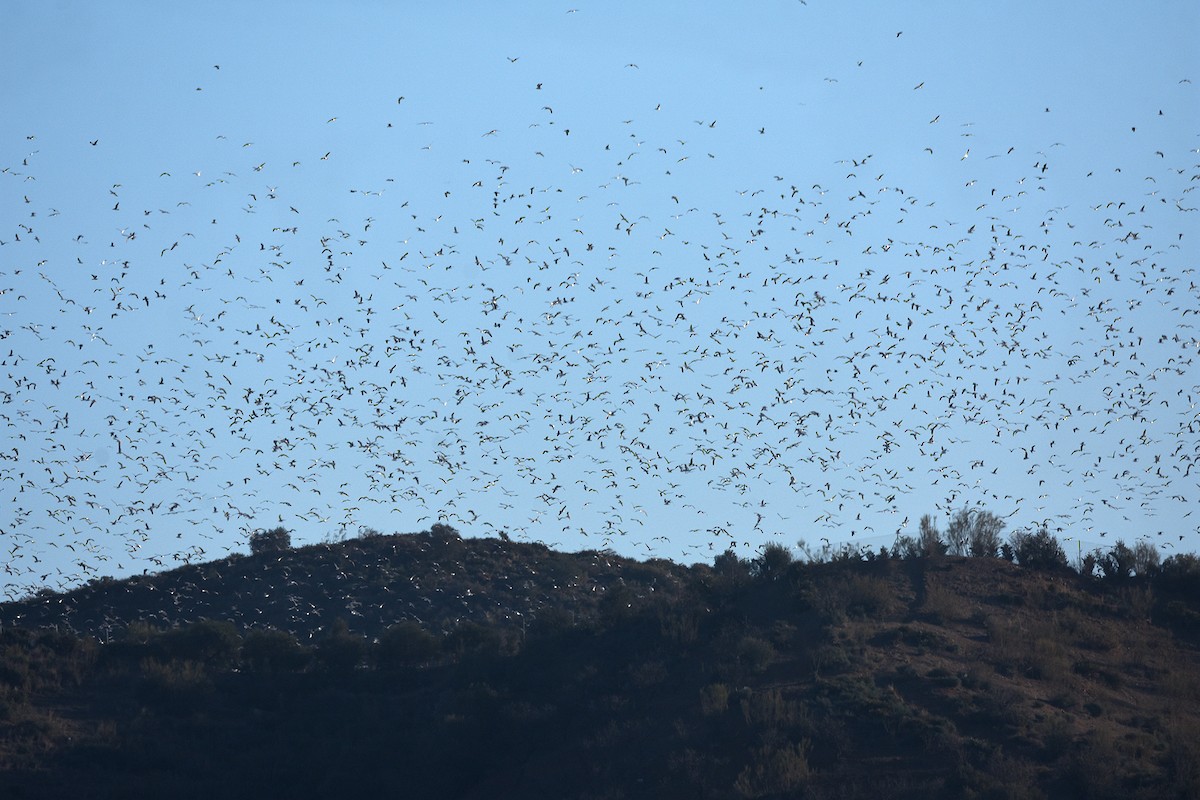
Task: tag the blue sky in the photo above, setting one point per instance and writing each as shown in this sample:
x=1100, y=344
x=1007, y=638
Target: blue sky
x=661, y=279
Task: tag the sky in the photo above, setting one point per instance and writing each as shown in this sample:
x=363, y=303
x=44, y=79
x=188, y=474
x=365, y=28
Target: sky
x=665, y=280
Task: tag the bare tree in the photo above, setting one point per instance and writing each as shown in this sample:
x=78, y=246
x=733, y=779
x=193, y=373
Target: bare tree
x=929, y=538
x=974, y=532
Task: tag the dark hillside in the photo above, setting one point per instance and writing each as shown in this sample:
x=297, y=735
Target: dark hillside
x=922, y=677
x=435, y=578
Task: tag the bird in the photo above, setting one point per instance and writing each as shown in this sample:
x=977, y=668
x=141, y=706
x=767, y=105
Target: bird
x=622, y=330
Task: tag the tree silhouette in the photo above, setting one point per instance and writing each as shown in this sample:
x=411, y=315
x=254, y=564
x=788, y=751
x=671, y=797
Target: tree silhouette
x=974, y=532
x=276, y=540
x=1037, y=550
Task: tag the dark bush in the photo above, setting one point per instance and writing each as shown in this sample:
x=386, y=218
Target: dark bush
x=551, y=620
x=775, y=770
x=1123, y=562
x=340, y=650
x=929, y=538
x=406, y=644
x=773, y=562
x=473, y=638
x=445, y=533
x=1180, y=574
x=1038, y=550
x=272, y=651
x=1146, y=560
x=207, y=642
x=974, y=532
x=729, y=566
x=276, y=540
x=755, y=654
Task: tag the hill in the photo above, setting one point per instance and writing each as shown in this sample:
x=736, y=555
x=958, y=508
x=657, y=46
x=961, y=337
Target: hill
x=435, y=578
x=433, y=666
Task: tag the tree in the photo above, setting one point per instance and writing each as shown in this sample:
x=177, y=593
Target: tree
x=1180, y=574
x=985, y=538
x=729, y=566
x=406, y=644
x=212, y=642
x=471, y=638
x=929, y=539
x=272, y=651
x=340, y=650
x=1123, y=562
x=444, y=532
x=276, y=540
x=1146, y=559
x=773, y=562
x=1037, y=550
x=974, y=532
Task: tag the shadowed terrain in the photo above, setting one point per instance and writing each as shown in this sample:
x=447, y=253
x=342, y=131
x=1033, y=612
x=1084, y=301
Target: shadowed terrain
x=449, y=667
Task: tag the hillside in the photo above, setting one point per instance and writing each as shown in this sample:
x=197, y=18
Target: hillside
x=435, y=578
x=432, y=666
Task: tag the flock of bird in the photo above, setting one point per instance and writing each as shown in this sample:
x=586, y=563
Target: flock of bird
x=573, y=339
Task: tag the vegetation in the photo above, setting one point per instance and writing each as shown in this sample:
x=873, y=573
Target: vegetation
x=432, y=665
x=276, y=540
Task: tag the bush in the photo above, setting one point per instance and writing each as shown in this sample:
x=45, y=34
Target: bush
x=1146, y=560
x=272, y=651
x=177, y=687
x=775, y=770
x=406, y=644
x=773, y=562
x=728, y=565
x=866, y=596
x=208, y=642
x=551, y=621
x=714, y=699
x=472, y=638
x=1180, y=574
x=1123, y=562
x=974, y=532
x=276, y=540
x=929, y=538
x=444, y=533
x=1037, y=550
x=755, y=654
x=340, y=650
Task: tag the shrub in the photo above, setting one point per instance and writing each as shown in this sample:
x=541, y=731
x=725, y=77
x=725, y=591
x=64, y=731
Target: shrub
x=1146, y=560
x=276, y=540
x=728, y=565
x=680, y=622
x=1123, y=562
x=207, y=642
x=340, y=650
x=445, y=533
x=1180, y=574
x=927, y=542
x=471, y=638
x=974, y=532
x=178, y=687
x=272, y=651
x=714, y=699
x=865, y=596
x=617, y=605
x=929, y=538
x=406, y=644
x=550, y=621
x=770, y=710
x=773, y=562
x=1037, y=550
x=755, y=654
x=775, y=770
